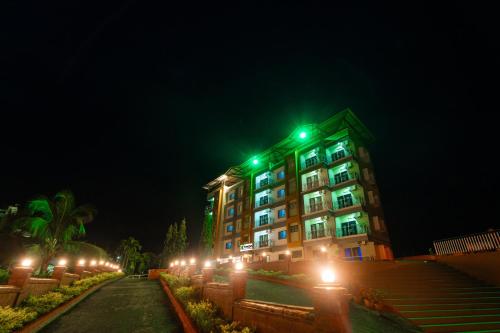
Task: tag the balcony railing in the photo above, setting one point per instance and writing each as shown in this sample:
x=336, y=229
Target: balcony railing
x=484, y=241
x=259, y=223
x=314, y=184
x=264, y=243
x=340, y=180
x=346, y=204
x=345, y=232
x=319, y=233
x=264, y=182
x=260, y=203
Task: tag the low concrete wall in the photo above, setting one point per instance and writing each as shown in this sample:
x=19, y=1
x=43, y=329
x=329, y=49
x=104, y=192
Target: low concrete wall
x=8, y=295
x=68, y=279
x=37, y=287
x=483, y=266
x=274, y=318
x=154, y=274
x=222, y=295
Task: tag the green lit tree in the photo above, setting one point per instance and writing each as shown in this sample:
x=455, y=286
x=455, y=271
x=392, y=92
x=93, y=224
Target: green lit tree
x=182, y=242
x=54, y=222
x=206, y=239
x=167, y=252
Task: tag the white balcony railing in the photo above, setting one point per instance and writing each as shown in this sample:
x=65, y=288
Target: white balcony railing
x=485, y=241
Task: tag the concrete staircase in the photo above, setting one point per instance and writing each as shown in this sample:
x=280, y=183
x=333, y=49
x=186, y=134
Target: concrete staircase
x=438, y=298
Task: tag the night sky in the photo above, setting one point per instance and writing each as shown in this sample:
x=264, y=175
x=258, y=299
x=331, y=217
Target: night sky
x=135, y=105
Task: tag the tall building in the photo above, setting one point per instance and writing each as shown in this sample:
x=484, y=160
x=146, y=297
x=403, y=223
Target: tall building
x=312, y=194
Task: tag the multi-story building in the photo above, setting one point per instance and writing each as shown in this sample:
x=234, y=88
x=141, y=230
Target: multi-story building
x=310, y=195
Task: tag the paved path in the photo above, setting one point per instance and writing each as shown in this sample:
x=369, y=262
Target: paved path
x=124, y=306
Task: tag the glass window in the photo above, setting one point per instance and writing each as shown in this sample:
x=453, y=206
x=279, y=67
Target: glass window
x=281, y=174
x=311, y=161
x=264, y=182
x=294, y=228
x=282, y=213
x=282, y=234
x=229, y=245
x=232, y=195
x=230, y=211
x=281, y=256
x=338, y=155
x=263, y=200
x=297, y=254
x=341, y=177
x=344, y=200
x=229, y=228
x=349, y=228
x=263, y=240
x=281, y=193
x=263, y=219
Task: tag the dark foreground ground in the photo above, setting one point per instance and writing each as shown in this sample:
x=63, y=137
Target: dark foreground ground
x=123, y=306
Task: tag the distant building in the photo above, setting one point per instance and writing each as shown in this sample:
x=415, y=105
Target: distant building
x=310, y=195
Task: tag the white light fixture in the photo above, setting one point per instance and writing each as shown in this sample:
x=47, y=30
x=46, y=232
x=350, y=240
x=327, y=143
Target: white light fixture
x=327, y=275
x=323, y=249
x=207, y=264
x=101, y=262
x=26, y=262
x=171, y=264
x=93, y=263
x=62, y=262
x=183, y=262
x=81, y=262
x=192, y=261
x=238, y=266
x=287, y=252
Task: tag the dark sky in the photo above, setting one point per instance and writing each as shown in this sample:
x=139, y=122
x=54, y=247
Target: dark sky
x=135, y=105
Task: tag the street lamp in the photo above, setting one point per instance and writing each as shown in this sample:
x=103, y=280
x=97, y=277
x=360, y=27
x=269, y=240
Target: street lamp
x=26, y=262
x=62, y=262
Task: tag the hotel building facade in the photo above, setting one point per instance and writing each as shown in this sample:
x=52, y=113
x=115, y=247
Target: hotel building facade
x=311, y=195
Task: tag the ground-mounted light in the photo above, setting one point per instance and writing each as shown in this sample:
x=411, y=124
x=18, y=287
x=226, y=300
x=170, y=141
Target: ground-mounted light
x=62, y=262
x=263, y=254
x=183, y=262
x=176, y=263
x=81, y=262
x=107, y=264
x=192, y=261
x=101, y=262
x=327, y=275
x=238, y=266
x=119, y=271
x=287, y=252
x=208, y=264
x=26, y=262
x=323, y=249
x=93, y=263
x=171, y=264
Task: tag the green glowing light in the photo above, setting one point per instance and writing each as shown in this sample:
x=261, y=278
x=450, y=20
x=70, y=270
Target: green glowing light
x=255, y=161
x=302, y=135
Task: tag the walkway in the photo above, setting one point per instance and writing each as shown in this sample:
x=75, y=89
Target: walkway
x=125, y=306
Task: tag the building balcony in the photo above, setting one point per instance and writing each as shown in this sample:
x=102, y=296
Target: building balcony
x=310, y=186
x=348, y=206
x=263, y=244
x=318, y=234
x=359, y=230
x=264, y=203
x=316, y=208
x=340, y=182
x=264, y=222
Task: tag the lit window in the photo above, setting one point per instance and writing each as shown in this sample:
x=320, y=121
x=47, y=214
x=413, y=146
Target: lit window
x=229, y=245
x=281, y=193
x=282, y=213
x=294, y=228
x=232, y=195
x=281, y=174
x=344, y=200
x=311, y=161
x=264, y=200
x=229, y=228
x=338, y=155
x=263, y=219
x=230, y=211
x=282, y=234
x=341, y=177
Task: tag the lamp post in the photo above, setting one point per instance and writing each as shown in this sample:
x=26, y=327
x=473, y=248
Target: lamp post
x=60, y=269
x=288, y=259
x=21, y=273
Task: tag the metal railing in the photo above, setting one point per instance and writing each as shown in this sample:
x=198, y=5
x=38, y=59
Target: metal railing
x=315, y=208
x=314, y=184
x=484, y=241
x=137, y=276
x=265, y=243
x=319, y=233
x=264, y=222
x=345, y=232
x=355, y=202
x=350, y=176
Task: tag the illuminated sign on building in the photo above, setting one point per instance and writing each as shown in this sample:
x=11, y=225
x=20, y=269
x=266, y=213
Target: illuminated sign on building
x=246, y=247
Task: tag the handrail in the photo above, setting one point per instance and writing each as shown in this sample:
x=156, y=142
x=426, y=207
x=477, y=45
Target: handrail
x=137, y=276
x=478, y=242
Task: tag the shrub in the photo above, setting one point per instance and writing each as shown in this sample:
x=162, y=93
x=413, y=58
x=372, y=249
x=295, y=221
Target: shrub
x=4, y=275
x=14, y=318
x=175, y=282
x=204, y=314
x=44, y=303
x=185, y=294
x=234, y=328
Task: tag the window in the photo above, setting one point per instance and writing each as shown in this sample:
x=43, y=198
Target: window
x=281, y=174
x=232, y=195
x=341, y=177
x=297, y=254
x=230, y=211
x=282, y=234
x=281, y=256
x=292, y=208
x=263, y=200
x=229, y=245
x=311, y=161
x=229, y=228
x=338, y=155
x=263, y=240
x=294, y=228
x=282, y=213
x=281, y=193
x=315, y=204
x=317, y=230
x=349, y=228
x=371, y=198
x=239, y=208
x=344, y=200
x=238, y=226
x=264, y=182
x=263, y=219
x=312, y=182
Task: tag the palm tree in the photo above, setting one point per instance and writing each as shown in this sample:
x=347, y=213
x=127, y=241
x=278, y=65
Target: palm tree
x=55, y=222
x=129, y=248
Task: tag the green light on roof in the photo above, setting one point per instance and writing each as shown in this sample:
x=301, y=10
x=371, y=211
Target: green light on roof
x=302, y=135
x=255, y=161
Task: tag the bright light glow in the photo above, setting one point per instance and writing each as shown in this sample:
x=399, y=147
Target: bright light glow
x=255, y=161
x=81, y=262
x=238, y=266
x=106, y=264
x=302, y=135
x=192, y=261
x=62, y=262
x=263, y=254
x=93, y=263
x=176, y=263
x=26, y=262
x=327, y=275
x=287, y=252
x=171, y=264
x=323, y=249
x=230, y=257
x=120, y=270
x=183, y=263
x=208, y=264
x=101, y=262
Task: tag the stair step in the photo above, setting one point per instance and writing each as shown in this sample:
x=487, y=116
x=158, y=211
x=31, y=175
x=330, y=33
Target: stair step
x=421, y=321
x=442, y=300
x=462, y=327
x=449, y=312
x=443, y=306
